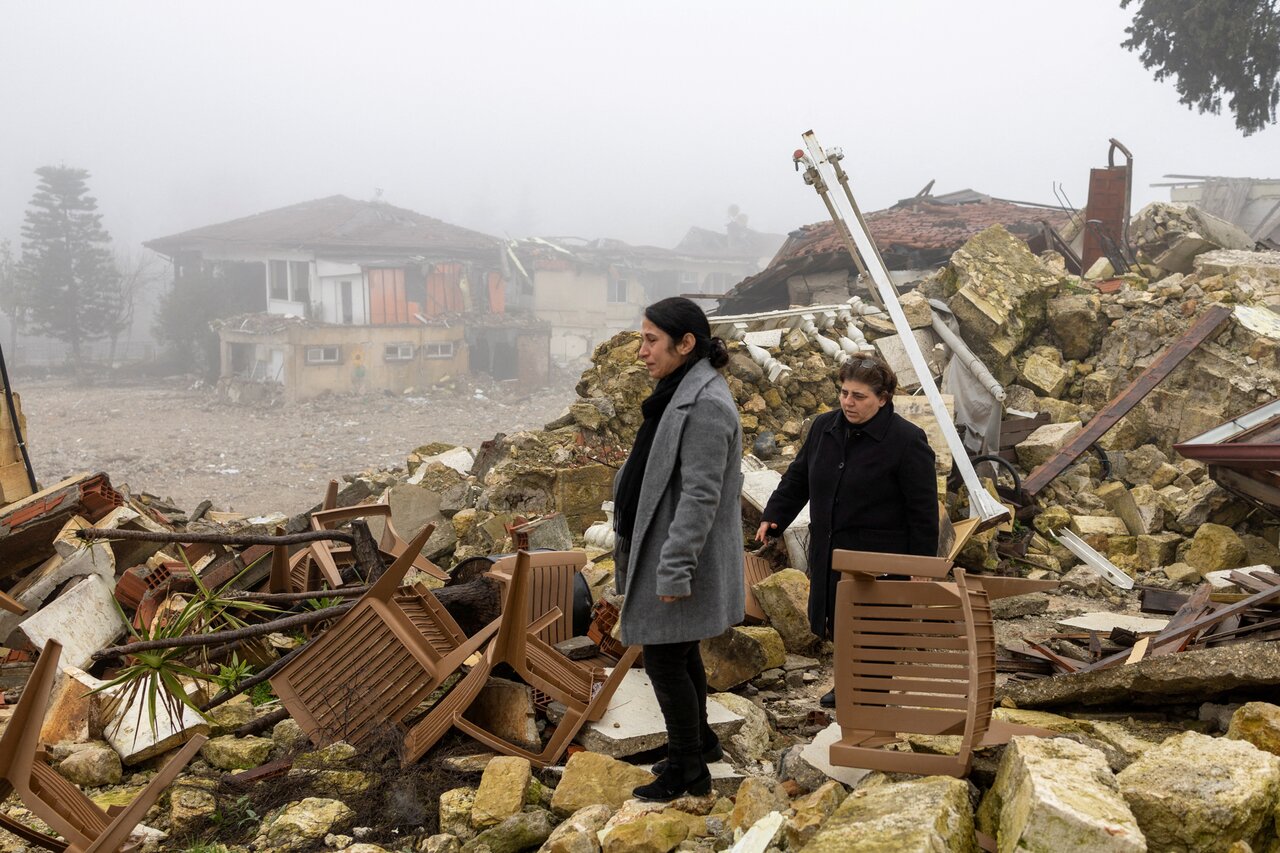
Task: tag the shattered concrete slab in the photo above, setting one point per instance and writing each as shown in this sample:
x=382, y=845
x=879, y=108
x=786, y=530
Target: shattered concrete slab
x=84, y=619
x=634, y=723
x=1104, y=622
x=818, y=755
x=1193, y=676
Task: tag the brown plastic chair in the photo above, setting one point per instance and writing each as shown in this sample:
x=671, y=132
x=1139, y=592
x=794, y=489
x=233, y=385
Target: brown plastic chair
x=911, y=657
x=378, y=662
x=551, y=584
x=755, y=569
x=50, y=797
x=327, y=554
x=914, y=658
x=584, y=690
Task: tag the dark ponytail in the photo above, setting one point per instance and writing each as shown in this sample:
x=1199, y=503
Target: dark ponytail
x=678, y=316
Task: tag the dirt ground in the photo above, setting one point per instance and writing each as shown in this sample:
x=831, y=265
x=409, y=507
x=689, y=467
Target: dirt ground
x=182, y=442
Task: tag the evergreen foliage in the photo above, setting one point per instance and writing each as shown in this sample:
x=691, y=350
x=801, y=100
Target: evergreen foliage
x=67, y=282
x=1212, y=49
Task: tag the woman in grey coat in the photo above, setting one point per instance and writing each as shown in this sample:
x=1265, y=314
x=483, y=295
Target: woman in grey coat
x=679, y=551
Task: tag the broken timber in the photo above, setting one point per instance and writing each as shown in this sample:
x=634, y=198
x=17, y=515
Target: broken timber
x=1155, y=373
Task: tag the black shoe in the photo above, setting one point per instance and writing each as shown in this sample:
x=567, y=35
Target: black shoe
x=828, y=699
x=711, y=754
x=683, y=775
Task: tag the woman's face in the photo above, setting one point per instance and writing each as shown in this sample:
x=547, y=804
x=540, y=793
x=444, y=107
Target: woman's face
x=659, y=353
x=858, y=402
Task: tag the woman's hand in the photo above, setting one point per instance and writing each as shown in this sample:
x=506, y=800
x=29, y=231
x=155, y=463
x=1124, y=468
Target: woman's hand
x=765, y=527
x=668, y=599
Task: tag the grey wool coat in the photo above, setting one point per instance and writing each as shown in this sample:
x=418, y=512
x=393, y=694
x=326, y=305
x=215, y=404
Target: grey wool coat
x=687, y=538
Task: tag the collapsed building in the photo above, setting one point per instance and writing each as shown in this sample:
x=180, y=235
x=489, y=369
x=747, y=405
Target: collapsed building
x=1148, y=665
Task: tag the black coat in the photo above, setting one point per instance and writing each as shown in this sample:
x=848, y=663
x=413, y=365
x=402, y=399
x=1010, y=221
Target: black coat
x=870, y=487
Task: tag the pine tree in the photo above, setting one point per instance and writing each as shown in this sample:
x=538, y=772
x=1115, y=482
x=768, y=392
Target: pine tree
x=1211, y=49
x=66, y=279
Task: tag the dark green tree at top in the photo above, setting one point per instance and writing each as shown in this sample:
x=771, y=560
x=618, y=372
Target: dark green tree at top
x=66, y=279
x=1214, y=49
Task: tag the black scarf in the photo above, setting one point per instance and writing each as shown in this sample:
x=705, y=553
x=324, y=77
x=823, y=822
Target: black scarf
x=627, y=499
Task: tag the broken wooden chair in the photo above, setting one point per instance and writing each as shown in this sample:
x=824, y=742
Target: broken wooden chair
x=915, y=657
x=376, y=664
x=582, y=688
x=85, y=827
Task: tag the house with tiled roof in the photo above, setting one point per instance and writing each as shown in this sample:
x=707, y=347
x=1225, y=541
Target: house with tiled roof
x=917, y=233
x=589, y=290
x=386, y=298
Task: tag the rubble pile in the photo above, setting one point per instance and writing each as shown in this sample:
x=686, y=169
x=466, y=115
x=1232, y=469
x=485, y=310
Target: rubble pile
x=1142, y=670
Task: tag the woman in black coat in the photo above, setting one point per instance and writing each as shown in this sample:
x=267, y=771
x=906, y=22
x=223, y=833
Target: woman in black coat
x=868, y=477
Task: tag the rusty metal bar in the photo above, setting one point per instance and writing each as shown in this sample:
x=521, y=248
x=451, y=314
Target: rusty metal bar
x=1120, y=406
x=93, y=533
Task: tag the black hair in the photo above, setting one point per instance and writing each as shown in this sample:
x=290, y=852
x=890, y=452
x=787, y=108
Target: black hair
x=871, y=371
x=677, y=317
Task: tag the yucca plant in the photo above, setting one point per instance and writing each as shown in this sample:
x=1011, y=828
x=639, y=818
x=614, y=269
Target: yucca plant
x=158, y=673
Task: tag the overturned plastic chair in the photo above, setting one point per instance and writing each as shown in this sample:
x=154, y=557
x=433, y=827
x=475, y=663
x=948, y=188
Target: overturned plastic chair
x=85, y=827
x=374, y=666
x=582, y=688
x=914, y=657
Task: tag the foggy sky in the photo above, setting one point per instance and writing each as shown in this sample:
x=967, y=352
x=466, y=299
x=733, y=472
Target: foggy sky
x=630, y=120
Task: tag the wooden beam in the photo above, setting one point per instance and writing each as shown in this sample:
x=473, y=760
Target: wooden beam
x=1155, y=373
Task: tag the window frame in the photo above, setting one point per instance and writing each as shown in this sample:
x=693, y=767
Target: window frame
x=322, y=361
x=399, y=355
x=446, y=349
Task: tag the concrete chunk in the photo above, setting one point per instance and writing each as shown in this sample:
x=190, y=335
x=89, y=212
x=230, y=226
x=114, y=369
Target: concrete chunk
x=930, y=815
x=84, y=619
x=633, y=722
x=1041, y=445
x=1200, y=793
x=1056, y=794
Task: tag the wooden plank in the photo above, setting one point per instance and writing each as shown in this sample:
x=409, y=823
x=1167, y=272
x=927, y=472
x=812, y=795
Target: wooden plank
x=1156, y=600
x=1193, y=608
x=1169, y=634
x=1163, y=365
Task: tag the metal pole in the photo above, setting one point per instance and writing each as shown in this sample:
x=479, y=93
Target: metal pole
x=17, y=427
x=858, y=240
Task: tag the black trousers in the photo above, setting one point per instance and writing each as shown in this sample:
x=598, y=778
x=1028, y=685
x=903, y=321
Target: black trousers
x=680, y=683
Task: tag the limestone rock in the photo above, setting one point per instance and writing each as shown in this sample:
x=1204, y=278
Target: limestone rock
x=1075, y=323
x=1044, y=376
x=455, y=811
x=930, y=815
x=521, y=831
x=1055, y=794
x=289, y=738
x=441, y=842
x=590, y=778
x=1199, y=793
x=577, y=833
x=506, y=708
x=752, y=739
x=736, y=656
x=1259, y=724
x=916, y=307
x=1052, y=519
x=1000, y=295
x=232, y=753
x=93, y=766
x=192, y=805
x=655, y=832
x=1037, y=448
x=333, y=756
x=502, y=791
x=811, y=811
x=302, y=824
x=757, y=796
x=1214, y=548
x=229, y=716
x=784, y=597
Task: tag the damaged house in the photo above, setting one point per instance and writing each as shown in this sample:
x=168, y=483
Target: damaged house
x=589, y=290
x=916, y=235
x=349, y=296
